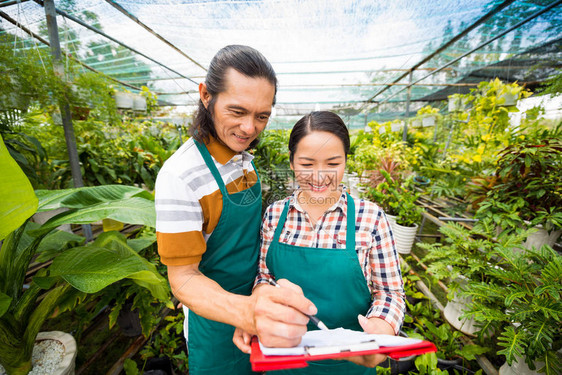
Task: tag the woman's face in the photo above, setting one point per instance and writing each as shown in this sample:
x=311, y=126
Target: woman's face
x=319, y=165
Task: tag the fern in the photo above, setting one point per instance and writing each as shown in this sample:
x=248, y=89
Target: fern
x=513, y=344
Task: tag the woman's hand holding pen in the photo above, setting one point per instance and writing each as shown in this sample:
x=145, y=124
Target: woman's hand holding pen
x=279, y=316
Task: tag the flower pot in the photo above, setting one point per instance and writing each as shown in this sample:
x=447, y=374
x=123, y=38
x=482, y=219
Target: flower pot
x=421, y=180
x=67, y=362
x=399, y=366
x=139, y=103
x=80, y=113
x=453, y=311
x=457, y=104
x=124, y=100
x=519, y=367
x=428, y=121
x=445, y=364
x=404, y=237
x=541, y=237
x=361, y=190
x=397, y=126
x=43, y=216
x=353, y=183
x=507, y=99
x=129, y=320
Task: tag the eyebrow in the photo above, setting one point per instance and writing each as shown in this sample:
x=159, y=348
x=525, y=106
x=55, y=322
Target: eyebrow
x=240, y=108
x=332, y=158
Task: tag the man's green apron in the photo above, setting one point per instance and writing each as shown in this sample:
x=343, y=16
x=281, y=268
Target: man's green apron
x=332, y=279
x=231, y=260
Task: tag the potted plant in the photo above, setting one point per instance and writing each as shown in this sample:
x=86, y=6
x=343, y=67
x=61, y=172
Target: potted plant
x=464, y=255
x=398, y=199
x=526, y=193
x=428, y=115
x=457, y=103
x=520, y=301
x=74, y=271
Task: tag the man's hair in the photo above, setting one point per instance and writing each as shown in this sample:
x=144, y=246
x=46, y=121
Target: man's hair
x=245, y=60
x=324, y=121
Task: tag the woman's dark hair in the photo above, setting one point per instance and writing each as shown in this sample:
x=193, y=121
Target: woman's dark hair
x=245, y=60
x=323, y=121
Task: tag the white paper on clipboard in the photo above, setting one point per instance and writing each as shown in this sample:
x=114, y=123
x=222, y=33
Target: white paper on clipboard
x=338, y=340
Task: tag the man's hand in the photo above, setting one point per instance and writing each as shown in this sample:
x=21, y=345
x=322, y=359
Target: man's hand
x=279, y=314
x=372, y=325
x=242, y=340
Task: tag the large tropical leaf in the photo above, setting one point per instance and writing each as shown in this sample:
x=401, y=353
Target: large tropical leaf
x=129, y=210
x=92, y=268
x=87, y=196
x=17, y=199
x=5, y=302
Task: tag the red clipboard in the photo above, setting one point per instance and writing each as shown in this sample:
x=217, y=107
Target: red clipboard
x=261, y=362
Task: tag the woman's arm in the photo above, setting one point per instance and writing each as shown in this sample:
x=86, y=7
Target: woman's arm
x=386, y=279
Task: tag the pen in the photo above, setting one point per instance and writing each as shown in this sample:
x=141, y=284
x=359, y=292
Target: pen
x=312, y=318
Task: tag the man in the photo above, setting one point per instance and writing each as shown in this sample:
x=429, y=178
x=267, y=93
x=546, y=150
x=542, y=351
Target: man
x=208, y=206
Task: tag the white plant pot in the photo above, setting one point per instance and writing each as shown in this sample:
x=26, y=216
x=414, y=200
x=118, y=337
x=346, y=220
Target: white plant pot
x=519, y=367
x=396, y=126
x=353, y=184
x=360, y=191
x=428, y=121
x=67, y=365
x=124, y=100
x=42, y=217
x=453, y=311
x=507, y=99
x=404, y=237
x=139, y=103
x=541, y=237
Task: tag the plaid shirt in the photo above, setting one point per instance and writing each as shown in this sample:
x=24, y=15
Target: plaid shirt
x=374, y=245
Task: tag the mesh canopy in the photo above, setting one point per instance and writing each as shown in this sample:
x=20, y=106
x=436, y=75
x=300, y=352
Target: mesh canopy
x=353, y=56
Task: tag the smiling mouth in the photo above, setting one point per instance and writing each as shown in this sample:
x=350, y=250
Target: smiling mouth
x=318, y=188
x=241, y=137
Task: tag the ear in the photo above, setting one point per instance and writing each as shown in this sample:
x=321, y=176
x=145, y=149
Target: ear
x=204, y=94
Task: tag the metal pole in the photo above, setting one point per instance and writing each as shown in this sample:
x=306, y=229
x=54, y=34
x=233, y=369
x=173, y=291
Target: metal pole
x=70, y=138
x=405, y=132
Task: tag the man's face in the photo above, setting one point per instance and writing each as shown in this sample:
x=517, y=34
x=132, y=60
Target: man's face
x=242, y=111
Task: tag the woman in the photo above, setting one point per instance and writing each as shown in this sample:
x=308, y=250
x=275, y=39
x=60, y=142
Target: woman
x=340, y=251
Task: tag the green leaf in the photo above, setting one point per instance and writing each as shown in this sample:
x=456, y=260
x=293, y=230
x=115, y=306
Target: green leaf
x=109, y=259
x=129, y=210
x=17, y=199
x=56, y=242
x=139, y=244
x=130, y=367
x=513, y=344
x=5, y=302
x=470, y=351
x=88, y=196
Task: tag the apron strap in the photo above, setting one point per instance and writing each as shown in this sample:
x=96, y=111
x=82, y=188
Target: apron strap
x=213, y=168
x=350, y=230
x=281, y=222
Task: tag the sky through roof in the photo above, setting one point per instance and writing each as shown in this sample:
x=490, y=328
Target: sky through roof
x=327, y=53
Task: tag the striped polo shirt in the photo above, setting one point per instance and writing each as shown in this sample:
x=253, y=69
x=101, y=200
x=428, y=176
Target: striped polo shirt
x=188, y=199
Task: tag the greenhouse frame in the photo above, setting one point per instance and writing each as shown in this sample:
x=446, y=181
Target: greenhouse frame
x=454, y=115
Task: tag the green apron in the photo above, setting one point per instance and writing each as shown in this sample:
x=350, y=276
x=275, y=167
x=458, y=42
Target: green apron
x=332, y=279
x=231, y=259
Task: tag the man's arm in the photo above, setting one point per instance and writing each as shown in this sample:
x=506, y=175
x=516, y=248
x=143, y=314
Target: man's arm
x=275, y=314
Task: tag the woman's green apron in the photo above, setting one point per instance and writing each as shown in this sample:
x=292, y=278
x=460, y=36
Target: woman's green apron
x=231, y=260
x=332, y=279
